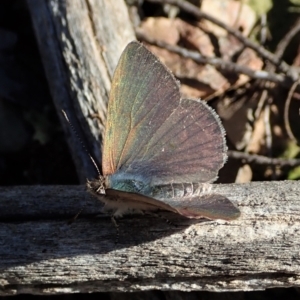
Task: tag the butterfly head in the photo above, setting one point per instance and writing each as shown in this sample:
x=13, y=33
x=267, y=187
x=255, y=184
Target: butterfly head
x=97, y=186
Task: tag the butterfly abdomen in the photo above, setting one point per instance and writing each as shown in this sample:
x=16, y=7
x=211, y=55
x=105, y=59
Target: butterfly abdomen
x=179, y=190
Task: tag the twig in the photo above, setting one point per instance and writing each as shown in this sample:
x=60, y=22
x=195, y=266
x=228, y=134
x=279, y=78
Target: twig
x=263, y=160
x=215, y=61
x=282, y=45
x=279, y=52
x=264, y=30
x=193, y=10
x=286, y=111
x=268, y=130
x=271, y=68
x=237, y=19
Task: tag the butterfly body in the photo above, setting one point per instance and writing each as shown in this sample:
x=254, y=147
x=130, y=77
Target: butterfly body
x=160, y=152
x=192, y=200
x=125, y=196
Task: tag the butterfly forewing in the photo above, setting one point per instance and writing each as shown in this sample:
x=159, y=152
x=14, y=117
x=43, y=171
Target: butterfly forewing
x=138, y=105
x=153, y=133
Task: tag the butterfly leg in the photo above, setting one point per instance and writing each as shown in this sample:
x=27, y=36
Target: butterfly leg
x=157, y=215
x=117, y=228
x=74, y=218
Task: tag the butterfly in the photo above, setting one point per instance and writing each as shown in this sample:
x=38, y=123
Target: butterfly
x=160, y=152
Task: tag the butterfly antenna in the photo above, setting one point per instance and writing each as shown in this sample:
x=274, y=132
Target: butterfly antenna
x=88, y=153
x=81, y=142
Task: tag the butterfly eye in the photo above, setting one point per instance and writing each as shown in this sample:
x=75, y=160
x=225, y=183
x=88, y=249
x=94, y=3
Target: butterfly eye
x=97, y=186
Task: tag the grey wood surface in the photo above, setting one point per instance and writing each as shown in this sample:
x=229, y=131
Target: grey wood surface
x=80, y=42
x=42, y=254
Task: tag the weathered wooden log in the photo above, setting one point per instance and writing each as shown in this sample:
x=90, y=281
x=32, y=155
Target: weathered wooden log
x=42, y=254
x=80, y=44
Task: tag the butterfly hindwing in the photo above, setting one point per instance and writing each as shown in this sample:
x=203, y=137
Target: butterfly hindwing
x=210, y=206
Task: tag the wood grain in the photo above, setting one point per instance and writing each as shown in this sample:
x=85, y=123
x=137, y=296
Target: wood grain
x=80, y=42
x=41, y=254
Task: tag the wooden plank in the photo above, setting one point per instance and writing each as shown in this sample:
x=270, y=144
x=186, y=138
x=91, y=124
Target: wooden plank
x=41, y=254
x=80, y=42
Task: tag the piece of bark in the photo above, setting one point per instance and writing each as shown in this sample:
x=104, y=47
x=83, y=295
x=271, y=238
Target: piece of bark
x=41, y=254
x=80, y=42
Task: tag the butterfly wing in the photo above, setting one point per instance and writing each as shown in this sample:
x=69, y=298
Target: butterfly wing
x=210, y=206
x=152, y=132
